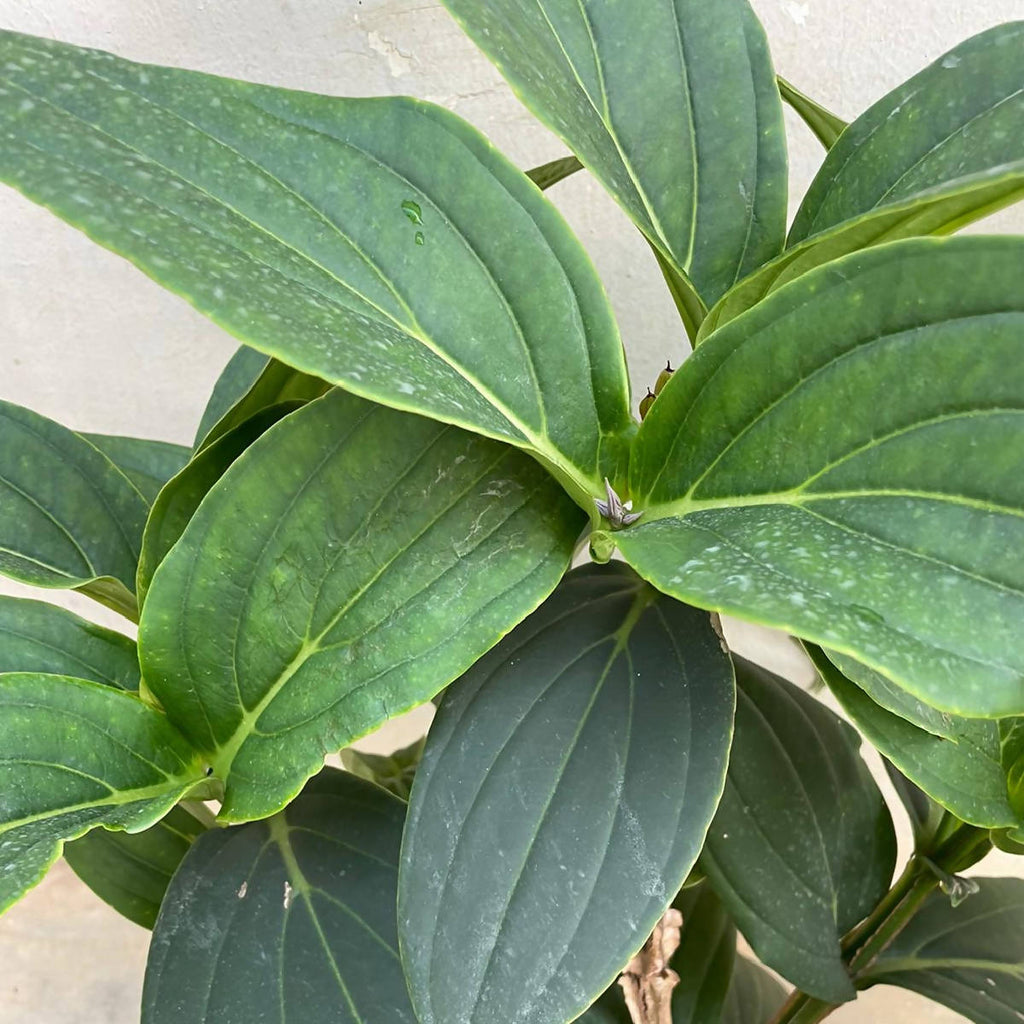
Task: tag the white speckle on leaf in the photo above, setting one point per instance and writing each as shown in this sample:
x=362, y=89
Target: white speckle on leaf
x=242, y=890
x=951, y=61
x=289, y=895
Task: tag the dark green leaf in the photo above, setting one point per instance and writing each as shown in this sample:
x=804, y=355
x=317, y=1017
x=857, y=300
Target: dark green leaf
x=705, y=958
x=673, y=106
x=68, y=516
x=242, y=371
x=178, y=501
x=148, y=464
x=564, y=794
x=943, y=150
x=388, y=553
x=77, y=755
x=777, y=483
x=754, y=995
x=827, y=127
x=286, y=919
x=39, y=637
x=554, y=171
x=963, y=774
x=394, y=772
x=958, y=117
x=129, y=871
x=276, y=384
x=609, y=1009
x=969, y=958
x=802, y=846
x=293, y=220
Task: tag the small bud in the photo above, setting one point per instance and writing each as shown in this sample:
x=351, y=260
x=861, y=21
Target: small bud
x=615, y=510
x=663, y=378
x=645, y=403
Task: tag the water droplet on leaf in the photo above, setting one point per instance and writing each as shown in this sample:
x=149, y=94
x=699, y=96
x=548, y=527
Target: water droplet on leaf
x=412, y=211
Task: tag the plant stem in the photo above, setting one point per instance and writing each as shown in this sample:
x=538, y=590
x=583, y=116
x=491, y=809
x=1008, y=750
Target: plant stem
x=867, y=941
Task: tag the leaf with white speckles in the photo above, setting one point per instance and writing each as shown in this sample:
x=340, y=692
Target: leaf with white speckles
x=78, y=755
x=802, y=846
x=292, y=917
x=388, y=554
x=563, y=796
x=294, y=221
x=672, y=106
x=843, y=462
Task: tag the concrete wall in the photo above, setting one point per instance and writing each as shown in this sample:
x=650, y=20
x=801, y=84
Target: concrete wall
x=88, y=340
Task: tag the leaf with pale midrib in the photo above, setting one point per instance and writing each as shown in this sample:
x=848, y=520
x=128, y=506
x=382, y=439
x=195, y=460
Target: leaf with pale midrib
x=69, y=518
x=563, y=796
x=802, y=846
x=390, y=553
x=843, y=463
x=293, y=221
x=40, y=637
x=79, y=755
x=672, y=105
x=293, y=916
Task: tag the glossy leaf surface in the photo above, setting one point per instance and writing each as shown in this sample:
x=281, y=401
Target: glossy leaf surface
x=177, y=503
x=802, y=846
x=237, y=377
x=68, y=516
x=564, y=794
x=294, y=221
x=148, y=464
x=959, y=116
x=390, y=553
x=40, y=637
x=129, y=871
x=293, y=916
x=776, y=485
x=969, y=958
x=963, y=773
x=78, y=755
x=673, y=106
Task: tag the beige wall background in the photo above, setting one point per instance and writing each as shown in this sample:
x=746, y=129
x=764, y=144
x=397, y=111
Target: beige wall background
x=86, y=339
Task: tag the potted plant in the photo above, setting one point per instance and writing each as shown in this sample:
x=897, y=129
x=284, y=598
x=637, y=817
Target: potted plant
x=428, y=422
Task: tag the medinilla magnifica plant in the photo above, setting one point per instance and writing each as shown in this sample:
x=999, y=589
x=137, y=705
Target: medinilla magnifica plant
x=428, y=423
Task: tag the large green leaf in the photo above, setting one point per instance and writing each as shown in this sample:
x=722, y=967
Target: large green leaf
x=393, y=772
x=351, y=563
x=962, y=772
x=77, y=755
x=777, y=484
x=802, y=846
x=68, y=516
x=177, y=502
x=291, y=917
x=238, y=376
x=705, y=958
x=962, y=115
x=40, y=637
x=564, y=794
x=382, y=243
x=944, y=149
x=130, y=871
x=148, y=464
x=672, y=105
x=969, y=958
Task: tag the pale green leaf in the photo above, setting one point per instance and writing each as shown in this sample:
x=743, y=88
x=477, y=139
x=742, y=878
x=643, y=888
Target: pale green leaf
x=389, y=552
x=78, y=755
x=843, y=463
x=295, y=222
